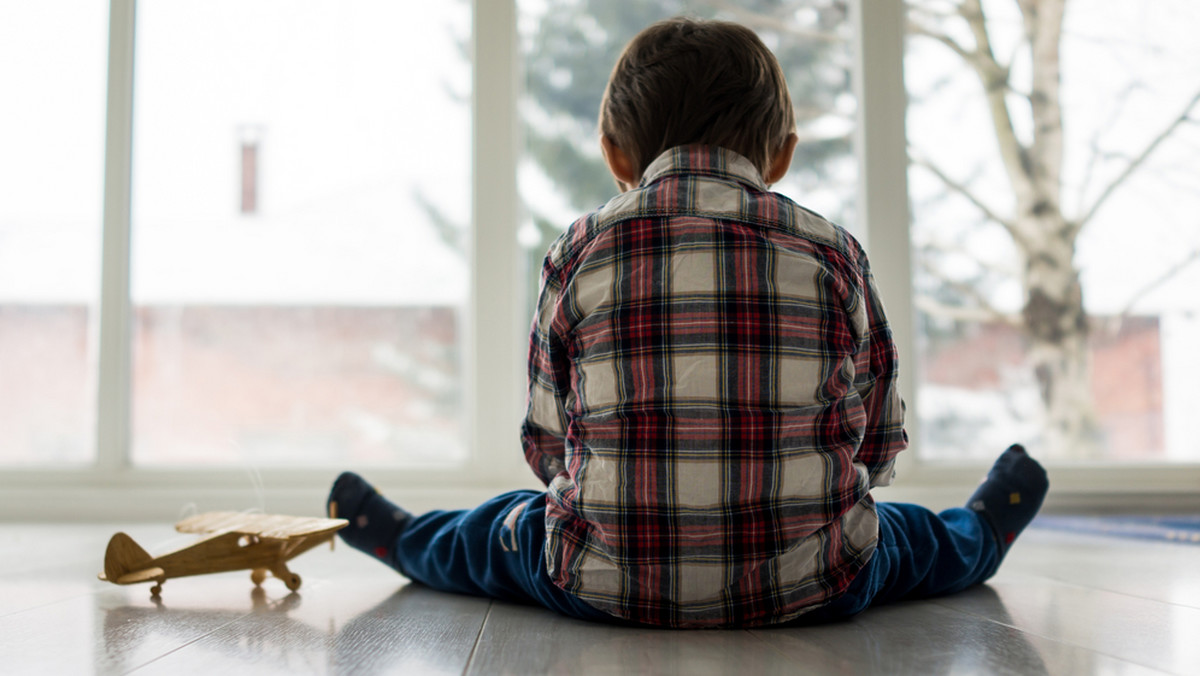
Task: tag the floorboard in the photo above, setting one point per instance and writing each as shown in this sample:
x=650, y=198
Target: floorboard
x=1126, y=627
x=1062, y=604
x=1162, y=571
x=412, y=631
x=923, y=637
x=526, y=640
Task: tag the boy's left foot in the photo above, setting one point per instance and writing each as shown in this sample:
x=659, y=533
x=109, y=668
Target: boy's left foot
x=1011, y=495
x=375, y=522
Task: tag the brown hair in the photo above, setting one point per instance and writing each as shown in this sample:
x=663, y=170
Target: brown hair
x=683, y=81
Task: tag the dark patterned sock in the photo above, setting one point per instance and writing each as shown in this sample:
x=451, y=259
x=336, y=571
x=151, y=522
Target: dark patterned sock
x=374, y=521
x=1011, y=495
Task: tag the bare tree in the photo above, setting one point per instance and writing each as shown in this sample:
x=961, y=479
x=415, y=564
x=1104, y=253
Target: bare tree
x=1045, y=235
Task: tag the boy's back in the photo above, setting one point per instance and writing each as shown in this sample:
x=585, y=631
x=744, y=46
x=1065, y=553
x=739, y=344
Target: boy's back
x=712, y=396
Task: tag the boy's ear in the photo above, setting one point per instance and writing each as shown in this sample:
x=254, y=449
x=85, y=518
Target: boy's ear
x=782, y=159
x=620, y=165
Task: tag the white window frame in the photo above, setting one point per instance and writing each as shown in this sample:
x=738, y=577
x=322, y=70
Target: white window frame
x=113, y=489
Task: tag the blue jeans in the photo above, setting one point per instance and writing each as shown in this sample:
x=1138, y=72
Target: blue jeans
x=486, y=552
x=497, y=550
x=920, y=554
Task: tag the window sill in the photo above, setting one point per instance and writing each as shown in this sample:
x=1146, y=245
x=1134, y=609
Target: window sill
x=166, y=495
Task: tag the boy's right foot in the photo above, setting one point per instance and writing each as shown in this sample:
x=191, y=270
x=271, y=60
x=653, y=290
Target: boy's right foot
x=375, y=522
x=1011, y=495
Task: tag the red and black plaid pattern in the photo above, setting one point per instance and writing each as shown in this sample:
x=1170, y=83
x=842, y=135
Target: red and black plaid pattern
x=712, y=395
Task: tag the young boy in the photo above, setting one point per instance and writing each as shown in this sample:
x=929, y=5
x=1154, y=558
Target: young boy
x=712, y=390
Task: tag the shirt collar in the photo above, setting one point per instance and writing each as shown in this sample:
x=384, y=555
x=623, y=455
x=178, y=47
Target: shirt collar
x=707, y=160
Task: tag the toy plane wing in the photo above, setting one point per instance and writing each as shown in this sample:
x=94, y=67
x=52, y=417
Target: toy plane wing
x=266, y=526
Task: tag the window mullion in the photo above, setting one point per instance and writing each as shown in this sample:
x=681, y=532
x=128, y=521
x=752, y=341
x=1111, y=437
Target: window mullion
x=883, y=174
x=113, y=374
x=495, y=330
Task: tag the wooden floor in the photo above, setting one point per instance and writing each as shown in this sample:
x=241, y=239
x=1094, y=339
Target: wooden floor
x=1062, y=604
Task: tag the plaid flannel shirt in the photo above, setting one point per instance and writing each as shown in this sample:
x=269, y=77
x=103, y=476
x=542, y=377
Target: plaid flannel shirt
x=712, y=395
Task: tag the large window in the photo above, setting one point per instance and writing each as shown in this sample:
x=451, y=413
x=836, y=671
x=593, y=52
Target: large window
x=302, y=235
x=51, y=175
x=294, y=300
x=1056, y=247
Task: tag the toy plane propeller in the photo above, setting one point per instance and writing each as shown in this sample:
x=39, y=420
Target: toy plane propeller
x=260, y=543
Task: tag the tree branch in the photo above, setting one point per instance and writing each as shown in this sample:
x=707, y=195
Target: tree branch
x=916, y=28
x=1137, y=162
x=983, y=310
x=1094, y=143
x=971, y=197
x=995, y=80
x=1159, y=281
x=453, y=235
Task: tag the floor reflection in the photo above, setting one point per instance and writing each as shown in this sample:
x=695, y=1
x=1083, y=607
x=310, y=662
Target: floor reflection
x=135, y=634
x=917, y=637
x=991, y=643
x=344, y=629
x=306, y=632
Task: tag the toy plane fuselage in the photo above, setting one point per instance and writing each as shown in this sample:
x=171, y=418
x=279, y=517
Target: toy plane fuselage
x=260, y=543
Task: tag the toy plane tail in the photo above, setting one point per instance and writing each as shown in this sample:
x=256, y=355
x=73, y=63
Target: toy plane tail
x=124, y=556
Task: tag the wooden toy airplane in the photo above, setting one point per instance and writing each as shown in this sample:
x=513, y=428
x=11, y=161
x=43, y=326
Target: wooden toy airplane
x=260, y=543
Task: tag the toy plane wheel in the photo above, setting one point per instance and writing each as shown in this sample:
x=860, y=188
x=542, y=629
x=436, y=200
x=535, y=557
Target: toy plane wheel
x=289, y=578
x=292, y=581
x=156, y=590
x=257, y=576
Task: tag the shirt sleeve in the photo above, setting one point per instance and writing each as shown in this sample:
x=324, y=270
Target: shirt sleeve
x=543, y=431
x=879, y=387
